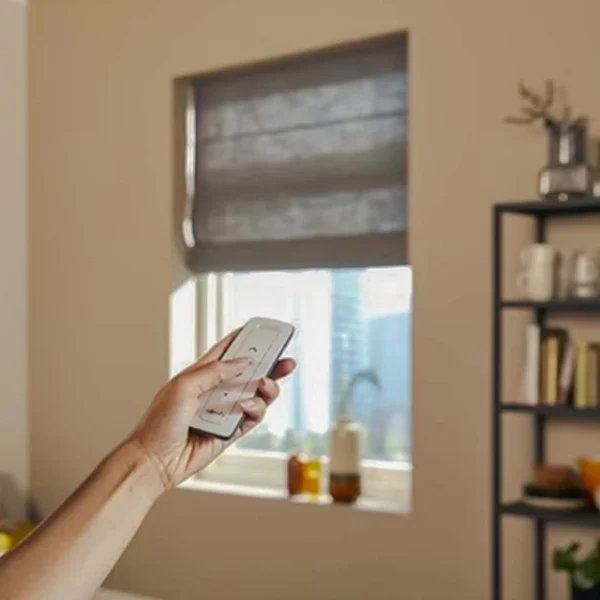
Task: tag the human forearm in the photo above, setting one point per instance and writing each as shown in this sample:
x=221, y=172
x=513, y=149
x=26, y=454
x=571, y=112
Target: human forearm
x=70, y=555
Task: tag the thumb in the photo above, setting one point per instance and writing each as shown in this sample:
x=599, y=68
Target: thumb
x=206, y=377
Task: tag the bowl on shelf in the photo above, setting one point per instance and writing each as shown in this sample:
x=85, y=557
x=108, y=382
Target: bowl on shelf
x=589, y=472
x=554, y=476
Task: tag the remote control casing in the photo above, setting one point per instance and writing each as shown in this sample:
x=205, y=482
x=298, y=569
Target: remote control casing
x=263, y=341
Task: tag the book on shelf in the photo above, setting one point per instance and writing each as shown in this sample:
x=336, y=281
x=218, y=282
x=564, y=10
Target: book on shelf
x=560, y=371
x=580, y=395
x=554, y=349
x=567, y=372
x=593, y=374
x=530, y=387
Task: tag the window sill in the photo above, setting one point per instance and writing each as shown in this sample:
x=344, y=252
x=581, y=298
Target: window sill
x=363, y=504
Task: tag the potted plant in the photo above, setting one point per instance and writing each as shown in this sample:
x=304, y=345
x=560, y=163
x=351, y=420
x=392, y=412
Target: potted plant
x=584, y=573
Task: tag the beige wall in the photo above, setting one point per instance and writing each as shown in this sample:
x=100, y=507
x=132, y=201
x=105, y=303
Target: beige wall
x=13, y=246
x=101, y=193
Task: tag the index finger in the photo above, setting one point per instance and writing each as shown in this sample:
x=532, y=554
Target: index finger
x=217, y=351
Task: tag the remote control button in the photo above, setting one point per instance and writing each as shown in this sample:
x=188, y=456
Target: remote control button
x=218, y=408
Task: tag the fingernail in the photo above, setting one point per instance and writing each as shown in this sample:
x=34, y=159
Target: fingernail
x=248, y=404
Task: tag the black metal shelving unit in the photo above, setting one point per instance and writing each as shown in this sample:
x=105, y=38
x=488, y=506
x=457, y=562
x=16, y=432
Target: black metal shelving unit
x=541, y=213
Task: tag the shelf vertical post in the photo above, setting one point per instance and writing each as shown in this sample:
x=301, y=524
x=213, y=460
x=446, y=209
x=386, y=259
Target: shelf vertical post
x=540, y=448
x=540, y=320
x=496, y=404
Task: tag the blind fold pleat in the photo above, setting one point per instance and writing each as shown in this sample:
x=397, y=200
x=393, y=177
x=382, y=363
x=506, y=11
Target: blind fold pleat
x=302, y=165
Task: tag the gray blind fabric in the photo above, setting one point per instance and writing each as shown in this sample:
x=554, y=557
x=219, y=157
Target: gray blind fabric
x=302, y=165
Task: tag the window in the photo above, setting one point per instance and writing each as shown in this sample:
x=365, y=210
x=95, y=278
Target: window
x=296, y=186
x=348, y=321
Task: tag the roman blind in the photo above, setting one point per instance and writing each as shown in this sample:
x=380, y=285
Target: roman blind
x=301, y=164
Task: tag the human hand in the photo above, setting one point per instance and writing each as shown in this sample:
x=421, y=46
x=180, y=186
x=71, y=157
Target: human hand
x=164, y=433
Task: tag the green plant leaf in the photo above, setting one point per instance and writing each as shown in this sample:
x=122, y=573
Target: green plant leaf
x=590, y=568
x=564, y=558
x=574, y=547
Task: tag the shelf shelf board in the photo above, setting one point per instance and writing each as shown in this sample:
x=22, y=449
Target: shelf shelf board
x=556, y=412
x=568, y=305
x=542, y=208
x=584, y=516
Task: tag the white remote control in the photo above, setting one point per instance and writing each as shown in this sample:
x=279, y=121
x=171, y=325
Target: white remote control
x=263, y=342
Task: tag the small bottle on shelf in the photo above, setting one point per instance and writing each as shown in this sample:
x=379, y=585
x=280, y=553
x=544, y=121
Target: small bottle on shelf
x=296, y=466
x=344, y=468
x=312, y=472
x=312, y=476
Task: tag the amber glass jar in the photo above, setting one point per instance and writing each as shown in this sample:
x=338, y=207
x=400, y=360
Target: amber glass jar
x=295, y=474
